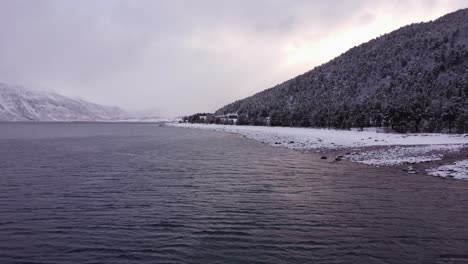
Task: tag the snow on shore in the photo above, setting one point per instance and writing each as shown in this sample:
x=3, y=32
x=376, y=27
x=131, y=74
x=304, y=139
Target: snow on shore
x=397, y=155
x=313, y=139
x=387, y=149
x=457, y=170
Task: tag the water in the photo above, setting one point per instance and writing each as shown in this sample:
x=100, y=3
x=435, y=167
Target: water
x=140, y=193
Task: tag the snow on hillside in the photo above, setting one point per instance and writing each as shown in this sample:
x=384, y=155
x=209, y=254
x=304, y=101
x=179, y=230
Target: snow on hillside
x=412, y=79
x=19, y=104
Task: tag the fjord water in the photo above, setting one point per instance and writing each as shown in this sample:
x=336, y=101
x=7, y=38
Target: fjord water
x=140, y=193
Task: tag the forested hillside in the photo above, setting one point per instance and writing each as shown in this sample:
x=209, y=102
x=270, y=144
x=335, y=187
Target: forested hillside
x=414, y=79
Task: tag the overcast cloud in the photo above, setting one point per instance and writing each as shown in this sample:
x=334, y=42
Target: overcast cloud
x=179, y=57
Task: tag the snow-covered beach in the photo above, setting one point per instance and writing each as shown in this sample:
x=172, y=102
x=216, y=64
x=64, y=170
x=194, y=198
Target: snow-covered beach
x=367, y=147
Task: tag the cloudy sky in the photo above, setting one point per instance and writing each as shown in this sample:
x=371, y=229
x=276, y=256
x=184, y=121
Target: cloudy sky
x=178, y=57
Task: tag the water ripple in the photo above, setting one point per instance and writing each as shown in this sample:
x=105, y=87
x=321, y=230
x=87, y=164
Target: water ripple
x=139, y=193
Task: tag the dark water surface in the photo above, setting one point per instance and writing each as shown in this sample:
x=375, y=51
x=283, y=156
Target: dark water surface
x=139, y=193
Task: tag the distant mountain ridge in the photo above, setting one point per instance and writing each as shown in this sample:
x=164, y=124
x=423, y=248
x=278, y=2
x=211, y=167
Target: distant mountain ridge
x=19, y=104
x=412, y=79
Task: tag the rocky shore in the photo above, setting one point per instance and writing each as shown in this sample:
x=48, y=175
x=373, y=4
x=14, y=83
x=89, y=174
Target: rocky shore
x=443, y=155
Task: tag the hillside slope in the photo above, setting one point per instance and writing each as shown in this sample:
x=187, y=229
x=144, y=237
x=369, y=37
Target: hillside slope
x=412, y=79
x=18, y=104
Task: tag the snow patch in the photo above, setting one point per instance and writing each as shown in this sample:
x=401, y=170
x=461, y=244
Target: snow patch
x=398, y=155
x=457, y=170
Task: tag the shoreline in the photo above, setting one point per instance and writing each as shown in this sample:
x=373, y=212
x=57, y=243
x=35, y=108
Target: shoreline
x=442, y=155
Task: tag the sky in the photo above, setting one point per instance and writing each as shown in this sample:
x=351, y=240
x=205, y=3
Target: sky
x=179, y=57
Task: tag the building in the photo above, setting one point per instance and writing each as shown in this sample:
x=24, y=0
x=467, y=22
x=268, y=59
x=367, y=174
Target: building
x=229, y=119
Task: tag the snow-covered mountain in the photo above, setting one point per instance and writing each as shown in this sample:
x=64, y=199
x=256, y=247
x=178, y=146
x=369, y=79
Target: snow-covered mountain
x=19, y=104
x=413, y=79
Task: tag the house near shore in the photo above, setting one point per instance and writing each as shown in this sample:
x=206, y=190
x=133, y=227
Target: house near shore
x=207, y=118
x=228, y=118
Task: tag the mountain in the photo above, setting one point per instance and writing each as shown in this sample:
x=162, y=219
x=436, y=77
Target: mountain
x=19, y=104
x=412, y=79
